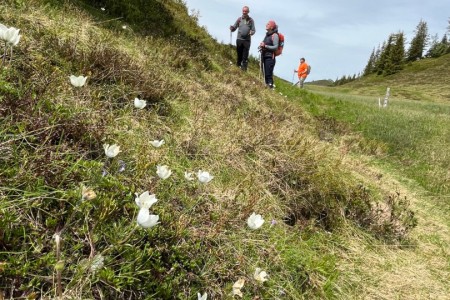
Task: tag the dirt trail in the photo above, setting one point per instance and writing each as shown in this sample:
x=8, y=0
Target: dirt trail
x=420, y=270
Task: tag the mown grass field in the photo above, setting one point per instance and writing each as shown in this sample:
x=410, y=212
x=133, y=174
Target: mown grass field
x=413, y=135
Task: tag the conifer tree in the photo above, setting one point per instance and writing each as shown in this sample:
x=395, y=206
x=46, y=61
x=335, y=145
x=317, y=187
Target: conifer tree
x=437, y=48
x=377, y=58
x=384, y=63
x=370, y=67
x=379, y=66
x=397, y=54
x=444, y=40
x=448, y=31
x=419, y=42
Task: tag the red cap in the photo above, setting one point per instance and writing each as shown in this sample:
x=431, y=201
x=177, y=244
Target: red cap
x=272, y=24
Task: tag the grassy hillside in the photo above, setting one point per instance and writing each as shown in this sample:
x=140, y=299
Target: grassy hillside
x=68, y=215
x=424, y=80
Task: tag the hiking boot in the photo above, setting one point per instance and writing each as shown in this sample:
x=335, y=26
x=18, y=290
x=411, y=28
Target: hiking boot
x=244, y=66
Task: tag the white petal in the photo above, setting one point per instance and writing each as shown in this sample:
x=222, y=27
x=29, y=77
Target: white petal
x=255, y=221
x=138, y=103
x=77, y=81
x=163, y=172
x=111, y=150
x=260, y=275
x=145, y=200
x=156, y=143
x=145, y=219
x=200, y=297
x=204, y=177
x=237, y=286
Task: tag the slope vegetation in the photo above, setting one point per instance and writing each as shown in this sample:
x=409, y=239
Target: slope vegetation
x=68, y=211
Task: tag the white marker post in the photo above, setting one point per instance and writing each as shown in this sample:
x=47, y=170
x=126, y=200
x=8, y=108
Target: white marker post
x=386, y=97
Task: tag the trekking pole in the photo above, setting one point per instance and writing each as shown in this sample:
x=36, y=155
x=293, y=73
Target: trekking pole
x=231, y=45
x=260, y=64
x=263, y=68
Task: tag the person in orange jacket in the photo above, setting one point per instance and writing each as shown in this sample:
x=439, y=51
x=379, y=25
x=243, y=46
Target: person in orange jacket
x=302, y=72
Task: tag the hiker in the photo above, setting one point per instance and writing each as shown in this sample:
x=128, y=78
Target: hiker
x=302, y=72
x=246, y=28
x=268, y=47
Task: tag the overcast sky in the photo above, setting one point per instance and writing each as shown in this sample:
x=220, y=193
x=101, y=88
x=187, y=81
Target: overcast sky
x=336, y=37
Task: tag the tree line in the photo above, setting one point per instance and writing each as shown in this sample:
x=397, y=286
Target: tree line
x=391, y=56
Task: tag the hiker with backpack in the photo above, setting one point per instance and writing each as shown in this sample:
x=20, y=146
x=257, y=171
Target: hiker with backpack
x=246, y=28
x=303, y=72
x=269, y=48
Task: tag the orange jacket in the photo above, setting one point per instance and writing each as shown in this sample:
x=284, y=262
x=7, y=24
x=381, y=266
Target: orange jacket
x=302, y=70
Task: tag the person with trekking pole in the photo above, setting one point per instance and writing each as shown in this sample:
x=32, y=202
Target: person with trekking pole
x=267, y=48
x=246, y=28
x=302, y=72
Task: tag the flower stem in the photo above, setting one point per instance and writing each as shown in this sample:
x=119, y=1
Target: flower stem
x=58, y=270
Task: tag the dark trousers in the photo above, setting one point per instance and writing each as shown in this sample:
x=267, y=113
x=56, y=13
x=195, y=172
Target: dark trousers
x=242, y=48
x=268, y=66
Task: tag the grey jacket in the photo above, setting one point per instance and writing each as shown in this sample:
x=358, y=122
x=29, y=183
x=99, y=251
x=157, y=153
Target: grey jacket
x=246, y=28
x=271, y=41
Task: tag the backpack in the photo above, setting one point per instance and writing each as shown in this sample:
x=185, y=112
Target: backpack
x=279, y=51
x=308, y=70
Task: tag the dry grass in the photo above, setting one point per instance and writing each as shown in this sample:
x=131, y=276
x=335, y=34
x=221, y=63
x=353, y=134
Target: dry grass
x=416, y=269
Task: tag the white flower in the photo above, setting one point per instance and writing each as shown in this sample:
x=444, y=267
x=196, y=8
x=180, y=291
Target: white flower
x=237, y=286
x=145, y=219
x=189, y=176
x=97, y=262
x=255, y=221
x=260, y=275
x=10, y=35
x=124, y=27
x=138, y=103
x=163, y=171
x=3, y=28
x=204, y=297
x=87, y=193
x=77, y=81
x=13, y=36
x=103, y=9
x=57, y=237
x=145, y=200
x=111, y=151
x=156, y=143
x=204, y=177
